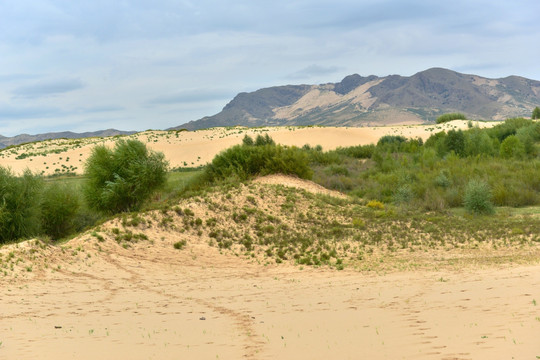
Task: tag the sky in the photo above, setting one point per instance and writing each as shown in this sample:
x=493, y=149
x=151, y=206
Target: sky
x=90, y=65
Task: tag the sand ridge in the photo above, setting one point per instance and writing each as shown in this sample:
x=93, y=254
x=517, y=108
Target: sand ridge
x=196, y=148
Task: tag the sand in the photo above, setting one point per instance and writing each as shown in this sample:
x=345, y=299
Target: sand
x=155, y=302
x=196, y=148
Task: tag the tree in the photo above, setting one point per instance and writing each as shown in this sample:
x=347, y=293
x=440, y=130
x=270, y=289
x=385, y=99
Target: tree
x=512, y=147
x=123, y=178
x=19, y=205
x=536, y=113
x=455, y=141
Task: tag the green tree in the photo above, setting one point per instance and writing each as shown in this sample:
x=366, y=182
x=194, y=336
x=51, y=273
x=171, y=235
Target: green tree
x=123, y=178
x=536, y=113
x=512, y=147
x=455, y=141
x=19, y=205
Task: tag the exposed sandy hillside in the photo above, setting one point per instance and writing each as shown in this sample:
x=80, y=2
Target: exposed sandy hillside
x=199, y=147
x=110, y=295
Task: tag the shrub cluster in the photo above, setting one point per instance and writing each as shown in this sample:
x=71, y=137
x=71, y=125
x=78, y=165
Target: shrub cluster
x=449, y=117
x=435, y=175
x=121, y=179
x=259, y=157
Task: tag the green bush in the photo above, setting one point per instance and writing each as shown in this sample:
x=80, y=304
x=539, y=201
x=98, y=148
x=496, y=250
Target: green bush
x=246, y=161
x=512, y=147
x=59, y=209
x=477, y=198
x=19, y=205
x=123, y=178
x=450, y=116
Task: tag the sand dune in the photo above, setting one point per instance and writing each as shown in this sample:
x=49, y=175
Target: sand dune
x=197, y=148
x=155, y=302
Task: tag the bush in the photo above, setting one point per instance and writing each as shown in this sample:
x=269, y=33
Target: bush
x=19, y=205
x=477, y=198
x=246, y=161
x=59, y=208
x=123, y=178
x=449, y=117
x=512, y=147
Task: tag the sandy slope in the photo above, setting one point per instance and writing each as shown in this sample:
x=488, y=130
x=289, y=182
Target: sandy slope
x=154, y=302
x=199, y=147
x=91, y=299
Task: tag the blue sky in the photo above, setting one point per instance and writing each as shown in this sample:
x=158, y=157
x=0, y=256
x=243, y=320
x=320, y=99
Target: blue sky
x=134, y=65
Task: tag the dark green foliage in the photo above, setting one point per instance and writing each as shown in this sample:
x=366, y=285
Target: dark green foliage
x=477, y=198
x=478, y=142
x=246, y=161
x=19, y=205
x=247, y=140
x=123, y=178
x=536, y=113
x=455, y=141
x=508, y=127
x=357, y=152
x=59, y=208
x=449, y=117
x=512, y=147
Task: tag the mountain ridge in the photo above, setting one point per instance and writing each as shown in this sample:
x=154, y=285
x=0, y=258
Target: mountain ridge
x=372, y=100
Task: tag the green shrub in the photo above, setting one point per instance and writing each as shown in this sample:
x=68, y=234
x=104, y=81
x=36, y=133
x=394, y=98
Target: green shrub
x=19, y=205
x=512, y=147
x=123, y=178
x=59, y=207
x=477, y=198
x=246, y=161
x=450, y=116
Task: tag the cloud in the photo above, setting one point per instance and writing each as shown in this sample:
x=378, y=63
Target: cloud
x=191, y=96
x=48, y=88
x=313, y=70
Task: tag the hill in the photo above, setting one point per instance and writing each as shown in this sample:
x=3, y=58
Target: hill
x=373, y=100
x=25, y=138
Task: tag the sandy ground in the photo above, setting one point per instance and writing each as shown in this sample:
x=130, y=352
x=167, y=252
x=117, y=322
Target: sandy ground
x=155, y=302
x=90, y=299
x=199, y=147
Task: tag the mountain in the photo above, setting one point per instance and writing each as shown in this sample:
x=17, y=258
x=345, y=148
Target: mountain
x=373, y=100
x=25, y=138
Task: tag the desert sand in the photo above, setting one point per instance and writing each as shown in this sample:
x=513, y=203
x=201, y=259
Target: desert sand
x=196, y=148
x=92, y=299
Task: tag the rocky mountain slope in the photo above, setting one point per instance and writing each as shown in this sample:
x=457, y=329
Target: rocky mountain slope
x=373, y=100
